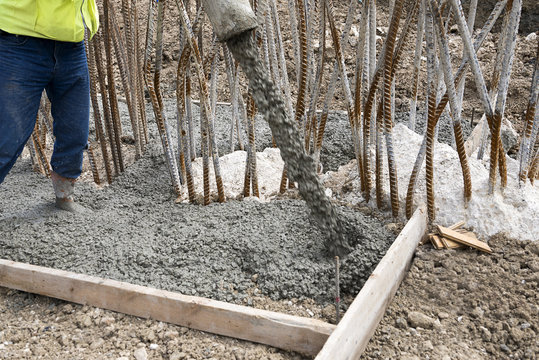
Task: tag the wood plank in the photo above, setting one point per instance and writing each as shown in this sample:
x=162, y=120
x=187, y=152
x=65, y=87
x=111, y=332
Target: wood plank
x=464, y=239
x=450, y=244
x=357, y=326
x=288, y=332
x=437, y=242
x=457, y=225
x=467, y=233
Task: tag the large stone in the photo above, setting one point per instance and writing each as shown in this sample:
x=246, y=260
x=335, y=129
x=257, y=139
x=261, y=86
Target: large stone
x=417, y=319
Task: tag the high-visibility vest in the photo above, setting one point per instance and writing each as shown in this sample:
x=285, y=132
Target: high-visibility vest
x=61, y=20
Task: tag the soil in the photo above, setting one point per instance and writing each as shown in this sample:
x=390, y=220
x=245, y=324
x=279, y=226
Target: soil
x=462, y=304
x=453, y=304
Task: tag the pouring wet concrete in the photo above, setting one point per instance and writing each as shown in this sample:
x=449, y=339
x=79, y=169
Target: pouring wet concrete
x=139, y=235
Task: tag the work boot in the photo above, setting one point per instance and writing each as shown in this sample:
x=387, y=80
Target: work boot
x=64, y=190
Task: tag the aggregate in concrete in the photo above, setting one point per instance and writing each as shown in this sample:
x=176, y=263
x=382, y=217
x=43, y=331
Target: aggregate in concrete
x=138, y=234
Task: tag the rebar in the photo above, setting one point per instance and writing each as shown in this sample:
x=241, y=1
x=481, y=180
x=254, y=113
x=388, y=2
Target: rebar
x=100, y=133
x=526, y=142
x=204, y=99
x=113, y=100
x=431, y=107
x=453, y=100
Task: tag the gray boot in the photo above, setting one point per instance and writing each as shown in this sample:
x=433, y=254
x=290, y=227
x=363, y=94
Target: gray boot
x=64, y=190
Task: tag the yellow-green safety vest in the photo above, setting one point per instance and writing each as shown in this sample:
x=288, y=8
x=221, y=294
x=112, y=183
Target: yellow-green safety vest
x=61, y=20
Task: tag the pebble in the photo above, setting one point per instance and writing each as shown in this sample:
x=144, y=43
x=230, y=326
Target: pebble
x=485, y=333
x=478, y=312
x=533, y=265
x=525, y=325
x=517, y=334
x=153, y=346
x=141, y=354
x=443, y=315
x=531, y=37
x=393, y=227
x=149, y=335
x=64, y=340
x=86, y=321
x=107, y=320
x=505, y=348
x=97, y=344
x=178, y=356
x=418, y=319
x=427, y=346
x=401, y=323
x=172, y=334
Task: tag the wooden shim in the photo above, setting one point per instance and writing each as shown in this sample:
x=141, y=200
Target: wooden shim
x=357, y=326
x=450, y=244
x=467, y=233
x=464, y=239
x=288, y=332
x=437, y=242
x=457, y=225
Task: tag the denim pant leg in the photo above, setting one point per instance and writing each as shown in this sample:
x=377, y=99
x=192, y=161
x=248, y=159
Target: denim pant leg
x=69, y=93
x=25, y=69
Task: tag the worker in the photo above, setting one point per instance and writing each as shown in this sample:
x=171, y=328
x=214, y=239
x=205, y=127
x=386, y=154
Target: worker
x=42, y=48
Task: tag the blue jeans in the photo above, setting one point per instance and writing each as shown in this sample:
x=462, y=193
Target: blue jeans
x=27, y=66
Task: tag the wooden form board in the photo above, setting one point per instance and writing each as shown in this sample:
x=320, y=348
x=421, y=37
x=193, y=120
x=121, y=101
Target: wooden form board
x=358, y=324
x=288, y=332
x=303, y=335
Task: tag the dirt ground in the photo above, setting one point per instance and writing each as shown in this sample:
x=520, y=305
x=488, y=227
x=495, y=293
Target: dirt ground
x=453, y=304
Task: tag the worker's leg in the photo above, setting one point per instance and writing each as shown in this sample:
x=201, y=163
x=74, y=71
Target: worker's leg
x=69, y=93
x=25, y=69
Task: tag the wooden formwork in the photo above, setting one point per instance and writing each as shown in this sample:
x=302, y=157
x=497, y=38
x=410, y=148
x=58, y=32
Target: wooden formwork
x=307, y=336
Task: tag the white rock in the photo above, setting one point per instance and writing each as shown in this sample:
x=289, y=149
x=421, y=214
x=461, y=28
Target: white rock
x=153, y=346
x=269, y=166
x=531, y=37
x=353, y=31
x=141, y=354
x=514, y=212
